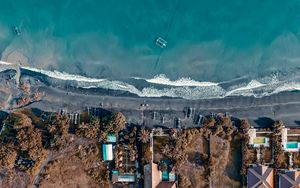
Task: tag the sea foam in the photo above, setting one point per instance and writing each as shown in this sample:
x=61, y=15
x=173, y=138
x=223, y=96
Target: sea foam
x=246, y=90
x=64, y=75
x=5, y=63
x=183, y=87
x=163, y=80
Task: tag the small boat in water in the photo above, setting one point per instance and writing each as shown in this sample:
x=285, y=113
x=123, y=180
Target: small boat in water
x=17, y=30
x=161, y=42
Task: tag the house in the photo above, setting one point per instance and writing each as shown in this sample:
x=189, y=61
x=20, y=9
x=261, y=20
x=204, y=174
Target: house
x=165, y=184
x=154, y=178
x=107, y=152
x=125, y=177
x=258, y=138
x=290, y=140
x=111, y=138
x=289, y=179
x=260, y=177
x=107, y=147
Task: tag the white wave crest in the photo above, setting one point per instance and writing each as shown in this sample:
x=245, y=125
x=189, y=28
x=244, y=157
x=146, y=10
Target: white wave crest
x=64, y=75
x=184, y=92
x=163, y=80
x=182, y=88
x=5, y=63
x=6, y=66
x=180, y=92
x=246, y=90
x=292, y=86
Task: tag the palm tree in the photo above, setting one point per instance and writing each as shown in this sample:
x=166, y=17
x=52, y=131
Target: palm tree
x=245, y=125
x=177, y=153
x=103, y=136
x=116, y=123
x=144, y=136
x=166, y=150
x=173, y=133
x=158, y=132
x=162, y=166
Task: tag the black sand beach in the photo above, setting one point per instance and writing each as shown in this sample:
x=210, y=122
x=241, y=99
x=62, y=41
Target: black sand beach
x=260, y=111
x=60, y=95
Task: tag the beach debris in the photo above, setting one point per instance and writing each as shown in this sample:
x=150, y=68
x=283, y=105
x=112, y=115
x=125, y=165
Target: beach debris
x=177, y=123
x=154, y=115
x=161, y=42
x=144, y=104
x=189, y=112
x=199, y=120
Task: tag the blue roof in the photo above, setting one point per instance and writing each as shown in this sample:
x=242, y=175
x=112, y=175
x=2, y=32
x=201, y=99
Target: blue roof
x=126, y=178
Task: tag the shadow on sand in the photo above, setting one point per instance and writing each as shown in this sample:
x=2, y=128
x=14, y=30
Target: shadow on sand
x=264, y=122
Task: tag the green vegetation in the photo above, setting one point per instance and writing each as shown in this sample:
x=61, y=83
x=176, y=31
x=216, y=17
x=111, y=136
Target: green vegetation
x=28, y=139
x=210, y=155
x=279, y=156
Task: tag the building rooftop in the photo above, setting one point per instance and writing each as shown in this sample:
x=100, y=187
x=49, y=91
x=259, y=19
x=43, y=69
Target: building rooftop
x=290, y=179
x=165, y=184
x=154, y=178
x=260, y=177
x=290, y=146
x=126, y=177
x=107, y=152
x=111, y=138
x=152, y=175
x=256, y=140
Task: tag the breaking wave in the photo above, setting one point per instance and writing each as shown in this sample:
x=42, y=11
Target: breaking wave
x=246, y=90
x=63, y=75
x=161, y=86
x=162, y=79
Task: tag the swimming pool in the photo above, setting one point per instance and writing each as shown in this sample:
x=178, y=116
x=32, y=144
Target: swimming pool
x=259, y=140
x=292, y=145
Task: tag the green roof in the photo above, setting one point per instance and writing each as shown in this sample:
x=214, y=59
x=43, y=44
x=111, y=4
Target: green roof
x=259, y=140
x=111, y=138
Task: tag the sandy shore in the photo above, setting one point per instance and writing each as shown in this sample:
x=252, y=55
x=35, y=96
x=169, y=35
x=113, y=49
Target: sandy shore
x=260, y=111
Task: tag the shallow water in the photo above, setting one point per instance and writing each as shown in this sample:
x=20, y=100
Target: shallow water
x=212, y=41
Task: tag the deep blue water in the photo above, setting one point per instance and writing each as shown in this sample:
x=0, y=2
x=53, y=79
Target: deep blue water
x=208, y=40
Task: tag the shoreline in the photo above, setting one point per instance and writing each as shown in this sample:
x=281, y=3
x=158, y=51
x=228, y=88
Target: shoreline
x=61, y=95
x=164, y=87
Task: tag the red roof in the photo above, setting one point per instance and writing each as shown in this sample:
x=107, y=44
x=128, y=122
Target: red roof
x=166, y=185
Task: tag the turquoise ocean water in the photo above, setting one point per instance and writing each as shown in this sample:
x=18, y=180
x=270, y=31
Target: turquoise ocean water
x=208, y=40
